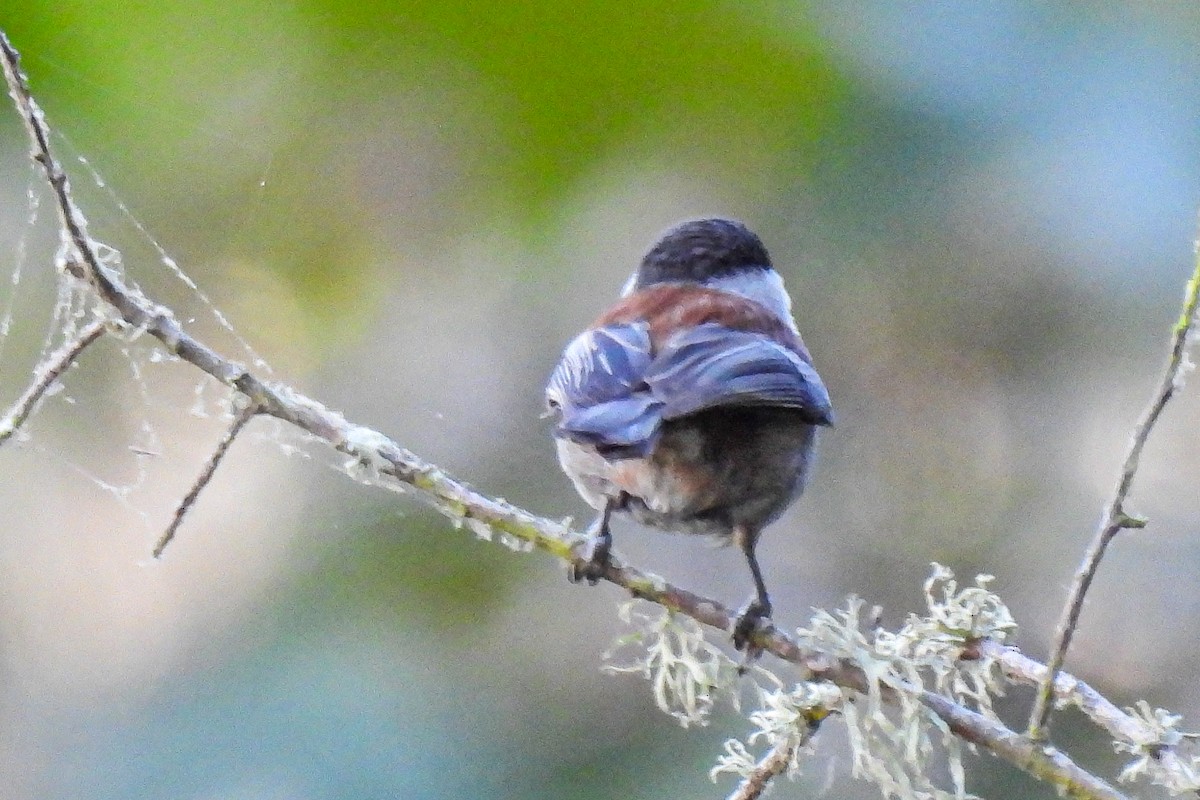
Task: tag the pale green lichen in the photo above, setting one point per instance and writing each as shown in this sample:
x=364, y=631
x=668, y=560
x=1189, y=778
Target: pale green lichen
x=955, y=620
x=736, y=760
x=481, y=529
x=784, y=721
x=688, y=673
x=893, y=744
x=1157, y=754
x=896, y=742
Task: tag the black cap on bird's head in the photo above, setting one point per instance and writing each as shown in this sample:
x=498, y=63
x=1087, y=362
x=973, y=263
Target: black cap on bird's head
x=699, y=250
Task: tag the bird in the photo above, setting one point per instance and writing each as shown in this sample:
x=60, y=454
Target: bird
x=692, y=404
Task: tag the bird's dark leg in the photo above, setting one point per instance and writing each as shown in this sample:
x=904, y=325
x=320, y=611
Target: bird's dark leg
x=758, y=608
x=595, y=556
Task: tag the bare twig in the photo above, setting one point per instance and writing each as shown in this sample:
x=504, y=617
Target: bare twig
x=1115, y=517
x=239, y=422
x=388, y=464
x=45, y=374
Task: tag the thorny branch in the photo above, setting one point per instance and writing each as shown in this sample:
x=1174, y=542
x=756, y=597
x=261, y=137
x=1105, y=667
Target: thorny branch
x=388, y=464
x=1115, y=517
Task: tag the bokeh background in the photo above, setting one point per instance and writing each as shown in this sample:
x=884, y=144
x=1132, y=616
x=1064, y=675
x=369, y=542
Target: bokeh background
x=984, y=211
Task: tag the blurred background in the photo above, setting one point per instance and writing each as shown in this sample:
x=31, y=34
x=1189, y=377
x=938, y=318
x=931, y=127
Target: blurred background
x=985, y=213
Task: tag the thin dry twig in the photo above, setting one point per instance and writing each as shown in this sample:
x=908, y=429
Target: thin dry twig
x=45, y=374
x=391, y=465
x=245, y=415
x=1115, y=518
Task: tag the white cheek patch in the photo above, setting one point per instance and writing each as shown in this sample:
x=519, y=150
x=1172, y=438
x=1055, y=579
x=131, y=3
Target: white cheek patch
x=763, y=286
x=630, y=285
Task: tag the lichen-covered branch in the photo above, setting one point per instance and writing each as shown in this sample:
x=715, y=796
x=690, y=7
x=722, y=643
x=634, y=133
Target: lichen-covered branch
x=1068, y=690
x=769, y=767
x=379, y=460
x=1115, y=518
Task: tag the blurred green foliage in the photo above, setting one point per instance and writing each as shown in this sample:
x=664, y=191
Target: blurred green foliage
x=566, y=85
x=543, y=94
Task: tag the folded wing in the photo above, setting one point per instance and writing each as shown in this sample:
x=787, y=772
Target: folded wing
x=711, y=366
x=599, y=387
x=614, y=392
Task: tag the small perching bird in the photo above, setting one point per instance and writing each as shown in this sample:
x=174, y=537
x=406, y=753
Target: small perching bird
x=691, y=404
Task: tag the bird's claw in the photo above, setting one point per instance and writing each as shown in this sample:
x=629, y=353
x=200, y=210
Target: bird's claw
x=749, y=621
x=594, y=562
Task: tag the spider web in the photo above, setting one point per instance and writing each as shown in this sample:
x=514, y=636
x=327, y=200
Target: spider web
x=124, y=416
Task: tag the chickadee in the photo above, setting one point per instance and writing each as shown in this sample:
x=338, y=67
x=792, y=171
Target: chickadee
x=691, y=404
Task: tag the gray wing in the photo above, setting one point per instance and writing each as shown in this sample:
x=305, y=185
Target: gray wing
x=712, y=366
x=614, y=395
x=599, y=388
